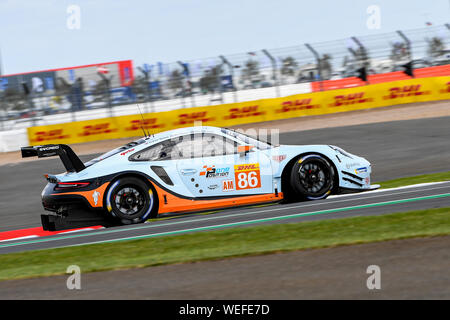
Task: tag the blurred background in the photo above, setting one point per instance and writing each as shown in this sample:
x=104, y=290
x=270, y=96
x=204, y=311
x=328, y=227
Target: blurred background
x=102, y=88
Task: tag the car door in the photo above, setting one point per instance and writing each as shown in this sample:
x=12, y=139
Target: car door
x=217, y=169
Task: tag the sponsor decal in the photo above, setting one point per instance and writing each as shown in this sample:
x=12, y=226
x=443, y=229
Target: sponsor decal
x=213, y=186
x=348, y=99
x=361, y=170
x=128, y=151
x=244, y=112
x=95, y=196
x=138, y=124
x=49, y=148
x=96, y=129
x=247, y=176
x=367, y=180
x=279, y=158
x=227, y=185
x=213, y=172
x=446, y=89
x=56, y=134
x=353, y=164
x=405, y=91
x=190, y=118
x=297, y=104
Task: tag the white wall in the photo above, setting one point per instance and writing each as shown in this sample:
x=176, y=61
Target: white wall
x=12, y=140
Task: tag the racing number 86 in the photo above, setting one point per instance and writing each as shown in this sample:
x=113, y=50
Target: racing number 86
x=247, y=179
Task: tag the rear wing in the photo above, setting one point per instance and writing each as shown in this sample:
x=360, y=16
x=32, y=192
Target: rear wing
x=70, y=160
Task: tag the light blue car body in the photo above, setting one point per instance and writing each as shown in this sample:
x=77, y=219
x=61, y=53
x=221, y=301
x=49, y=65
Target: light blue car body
x=353, y=172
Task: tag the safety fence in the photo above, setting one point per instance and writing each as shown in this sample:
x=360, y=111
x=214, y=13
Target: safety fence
x=102, y=89
x=315, y=103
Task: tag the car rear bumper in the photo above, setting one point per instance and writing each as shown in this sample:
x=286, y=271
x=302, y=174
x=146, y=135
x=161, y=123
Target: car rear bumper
x=70, y=211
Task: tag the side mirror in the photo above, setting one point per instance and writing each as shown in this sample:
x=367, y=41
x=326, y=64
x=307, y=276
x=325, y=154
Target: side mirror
x=243, y=150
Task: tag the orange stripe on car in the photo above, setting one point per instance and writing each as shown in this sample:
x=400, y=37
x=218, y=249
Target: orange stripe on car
x=171, y=203
x=89, y=195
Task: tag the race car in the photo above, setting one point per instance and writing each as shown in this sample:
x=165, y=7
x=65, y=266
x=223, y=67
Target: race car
x=191, y=169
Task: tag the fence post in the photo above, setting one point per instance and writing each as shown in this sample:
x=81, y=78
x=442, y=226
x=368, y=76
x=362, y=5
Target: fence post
x=274, y=70
x=231, y=67
x=363, y=51
x=408, y=43
x=188, y=78
x=27, y=92
x=319, y=64
x=147, y=78
x=108, y=91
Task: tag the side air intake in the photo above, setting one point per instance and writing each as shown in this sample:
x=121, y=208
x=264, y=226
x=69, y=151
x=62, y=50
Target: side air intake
x=162, y=174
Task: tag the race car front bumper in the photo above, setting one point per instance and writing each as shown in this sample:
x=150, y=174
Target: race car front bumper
x=356, y=179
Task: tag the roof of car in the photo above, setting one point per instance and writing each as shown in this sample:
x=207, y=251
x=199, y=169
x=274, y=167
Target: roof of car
x=187, y=130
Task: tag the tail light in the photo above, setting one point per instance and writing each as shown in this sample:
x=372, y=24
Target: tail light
x=71, y=185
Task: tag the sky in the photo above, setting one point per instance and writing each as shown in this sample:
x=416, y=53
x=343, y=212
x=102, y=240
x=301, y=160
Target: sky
x=34, y=35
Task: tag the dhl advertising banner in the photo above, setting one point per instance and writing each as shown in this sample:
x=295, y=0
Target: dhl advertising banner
x=363, y=97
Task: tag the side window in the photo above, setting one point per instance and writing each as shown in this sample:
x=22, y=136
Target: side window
x=186, y=147
x=216, y=145
x=157, y=152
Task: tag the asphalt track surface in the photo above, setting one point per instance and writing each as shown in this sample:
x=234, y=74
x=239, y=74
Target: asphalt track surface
x=410, y=269
x=413, y=268
x=395, y=149
x=369, y=203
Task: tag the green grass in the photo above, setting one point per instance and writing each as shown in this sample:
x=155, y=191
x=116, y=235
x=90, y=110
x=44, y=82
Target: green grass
x=424, y=178
x=227, y=243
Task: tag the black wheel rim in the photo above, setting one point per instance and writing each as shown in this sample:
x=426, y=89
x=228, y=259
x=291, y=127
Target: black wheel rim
x=314, y=177
x=129, y=200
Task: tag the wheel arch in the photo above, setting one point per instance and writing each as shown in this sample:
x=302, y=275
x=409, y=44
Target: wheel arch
x=131, y=174
x=288, y=193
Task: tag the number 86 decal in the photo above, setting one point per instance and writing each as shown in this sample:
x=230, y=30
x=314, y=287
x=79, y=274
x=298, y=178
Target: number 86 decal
x=247, y=176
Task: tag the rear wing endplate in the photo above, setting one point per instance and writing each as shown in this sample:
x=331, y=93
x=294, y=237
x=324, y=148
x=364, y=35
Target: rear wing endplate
x=70, y=160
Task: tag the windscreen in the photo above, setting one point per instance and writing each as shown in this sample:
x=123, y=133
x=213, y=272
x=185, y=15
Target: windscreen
x=261, y=145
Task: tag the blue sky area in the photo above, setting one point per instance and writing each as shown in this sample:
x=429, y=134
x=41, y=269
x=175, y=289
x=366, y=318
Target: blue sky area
x=34, y=34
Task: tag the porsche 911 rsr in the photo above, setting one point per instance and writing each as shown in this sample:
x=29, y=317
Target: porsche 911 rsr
x=191, y=169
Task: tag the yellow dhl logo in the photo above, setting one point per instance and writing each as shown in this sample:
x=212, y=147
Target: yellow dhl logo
x=246, y=167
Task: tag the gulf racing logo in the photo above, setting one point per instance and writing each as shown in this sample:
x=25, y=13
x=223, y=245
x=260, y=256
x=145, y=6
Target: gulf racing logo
x=247, y=176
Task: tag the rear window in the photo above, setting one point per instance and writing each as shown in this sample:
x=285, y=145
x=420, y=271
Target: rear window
x=115, y=151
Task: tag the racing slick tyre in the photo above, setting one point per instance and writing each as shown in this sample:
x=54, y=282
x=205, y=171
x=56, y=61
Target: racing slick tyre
x=312, y=177
x=130, y=200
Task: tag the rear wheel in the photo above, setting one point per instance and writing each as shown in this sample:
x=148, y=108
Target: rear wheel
x=130, y=200
x=312, y=177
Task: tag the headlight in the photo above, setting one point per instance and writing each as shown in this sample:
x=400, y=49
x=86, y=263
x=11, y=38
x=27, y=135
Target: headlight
x=341, y=151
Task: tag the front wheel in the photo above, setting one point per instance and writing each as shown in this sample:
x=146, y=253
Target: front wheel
x=312, y=177
x=130, y=200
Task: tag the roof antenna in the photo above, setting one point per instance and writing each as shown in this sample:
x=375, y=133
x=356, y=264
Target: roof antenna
x=143, y=121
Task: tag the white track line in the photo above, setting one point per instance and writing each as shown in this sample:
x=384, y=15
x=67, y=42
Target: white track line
x=171, y=223
x=388, y=189
x=292, y=215
x=196, y=219
x=21, y=238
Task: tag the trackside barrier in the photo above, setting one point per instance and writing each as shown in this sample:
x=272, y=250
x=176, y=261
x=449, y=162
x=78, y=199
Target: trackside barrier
x=316, y=103
x=12, y=140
